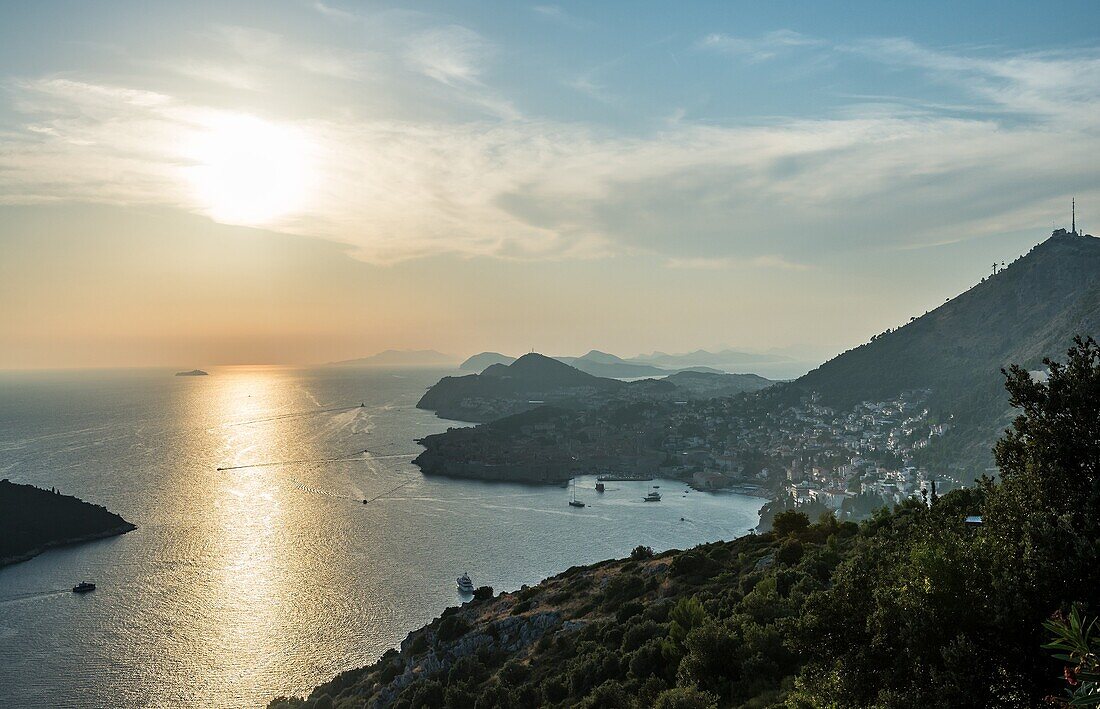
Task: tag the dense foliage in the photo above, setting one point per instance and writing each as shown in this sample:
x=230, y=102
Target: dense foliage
x=914, y=608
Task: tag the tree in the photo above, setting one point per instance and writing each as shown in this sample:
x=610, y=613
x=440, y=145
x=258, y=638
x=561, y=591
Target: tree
x=790, y=522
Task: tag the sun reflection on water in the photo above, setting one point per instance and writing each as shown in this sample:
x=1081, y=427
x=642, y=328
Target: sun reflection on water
x=249, y=586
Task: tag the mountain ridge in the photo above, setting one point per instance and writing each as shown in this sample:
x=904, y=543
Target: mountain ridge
x=1024, y=312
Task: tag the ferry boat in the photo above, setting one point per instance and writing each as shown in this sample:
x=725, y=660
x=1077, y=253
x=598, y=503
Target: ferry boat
x=465, y=585
x=652, y=497
x=83, y=587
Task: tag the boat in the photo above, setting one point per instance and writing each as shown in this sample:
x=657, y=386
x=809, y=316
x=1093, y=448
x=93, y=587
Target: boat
x=465, y=585
x=83, y=587
x=652, y=497
x=599, y=487
x=575, y=502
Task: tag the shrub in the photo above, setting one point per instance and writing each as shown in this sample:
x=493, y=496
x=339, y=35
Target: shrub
x=641, y=552
x=628, y=611
x=790, y=552
x=452, y=627
x=483, y=593
x=685, y=698
x=790, y=522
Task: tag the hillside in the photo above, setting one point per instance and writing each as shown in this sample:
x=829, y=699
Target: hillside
x=602, y=364
x=502, y=390
x=33, y=520
x=480, y=361
x=717, y=384
x=915, y=607
x=1028, y=310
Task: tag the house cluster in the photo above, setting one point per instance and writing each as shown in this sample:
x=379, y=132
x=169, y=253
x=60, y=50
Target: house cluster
x=809, y=452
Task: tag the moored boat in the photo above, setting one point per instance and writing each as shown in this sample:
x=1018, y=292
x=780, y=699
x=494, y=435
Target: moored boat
x=575, y=502
x=652, y=497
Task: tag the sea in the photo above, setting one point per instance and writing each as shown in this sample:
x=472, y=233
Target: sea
x=283, y=534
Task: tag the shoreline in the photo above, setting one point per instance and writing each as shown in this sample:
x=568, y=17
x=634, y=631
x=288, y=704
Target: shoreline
x=71, y=541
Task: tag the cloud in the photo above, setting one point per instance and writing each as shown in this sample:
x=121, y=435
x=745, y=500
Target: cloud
x=452, y=55
x=757, y=49
x=555, y=13
x=333, y=12
x=785, y=195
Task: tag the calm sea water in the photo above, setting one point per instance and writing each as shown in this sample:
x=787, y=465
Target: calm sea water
x=268, y=578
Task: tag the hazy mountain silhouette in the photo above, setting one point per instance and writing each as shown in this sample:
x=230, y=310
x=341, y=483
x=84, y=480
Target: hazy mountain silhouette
x=480, y=361
x=400, y=358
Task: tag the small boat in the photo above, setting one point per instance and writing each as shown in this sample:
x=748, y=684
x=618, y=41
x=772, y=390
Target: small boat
x=465, y=585
x=83, y=587
x=652, y=497
x=599, y=487
x=575, y=502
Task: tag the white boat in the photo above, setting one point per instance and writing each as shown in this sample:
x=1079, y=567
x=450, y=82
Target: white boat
x=652, y=497
x=465, y=585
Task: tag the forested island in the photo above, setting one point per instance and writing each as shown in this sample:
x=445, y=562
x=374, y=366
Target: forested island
x=981, y=597
x=33, y=520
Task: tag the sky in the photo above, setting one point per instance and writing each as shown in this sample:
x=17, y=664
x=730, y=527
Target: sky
x=298, y=181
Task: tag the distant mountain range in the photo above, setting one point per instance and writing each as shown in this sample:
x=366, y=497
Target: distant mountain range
x=1027, y=311
x=602, y=364
x=401, y=358
x=535, y=380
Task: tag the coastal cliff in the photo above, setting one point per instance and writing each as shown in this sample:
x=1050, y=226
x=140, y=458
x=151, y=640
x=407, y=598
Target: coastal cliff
x=33, y=520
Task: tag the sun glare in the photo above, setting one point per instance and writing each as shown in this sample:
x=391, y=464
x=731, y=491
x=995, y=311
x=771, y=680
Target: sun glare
x=249, y=171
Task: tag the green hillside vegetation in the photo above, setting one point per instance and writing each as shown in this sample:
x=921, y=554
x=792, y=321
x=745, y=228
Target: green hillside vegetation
x=912, y=608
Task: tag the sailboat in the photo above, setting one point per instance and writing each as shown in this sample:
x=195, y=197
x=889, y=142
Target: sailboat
x=575, y=502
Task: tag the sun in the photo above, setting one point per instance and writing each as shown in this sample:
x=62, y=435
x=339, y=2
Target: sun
x=249, y=171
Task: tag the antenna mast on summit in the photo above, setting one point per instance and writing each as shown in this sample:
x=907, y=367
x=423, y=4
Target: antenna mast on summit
x=1073, y=214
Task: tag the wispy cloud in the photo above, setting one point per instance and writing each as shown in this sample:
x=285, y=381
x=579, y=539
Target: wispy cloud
x=695, y=196
x=557, y=14
x=452, y=55
x=332, y=11
x=757, y=49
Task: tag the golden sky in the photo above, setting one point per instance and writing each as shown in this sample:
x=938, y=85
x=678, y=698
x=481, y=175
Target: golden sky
x=215, y=184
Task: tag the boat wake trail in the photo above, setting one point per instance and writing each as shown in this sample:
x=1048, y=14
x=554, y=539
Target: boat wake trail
x=294, y=414
x=269, y=464
x=389, y=492
x=33, y=595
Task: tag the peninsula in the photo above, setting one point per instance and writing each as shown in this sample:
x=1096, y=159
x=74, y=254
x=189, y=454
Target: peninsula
x=33, y=520
x=192, y=373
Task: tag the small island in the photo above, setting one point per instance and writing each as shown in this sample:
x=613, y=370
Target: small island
x=33, y=520
x=193, y=373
